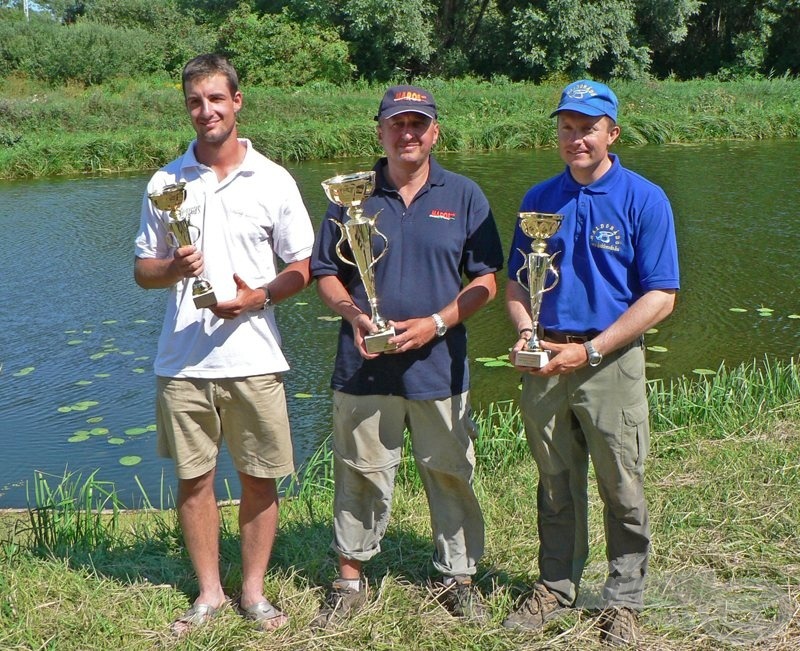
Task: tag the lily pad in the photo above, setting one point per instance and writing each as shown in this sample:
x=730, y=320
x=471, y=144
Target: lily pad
x=83, y=383
x=151, y=428
x=496, y=362
x=134, y=431
x=301, y=303
x=94, y=419
x=74, y=342
x=657, y=349
x=86, y=404
x=139, y=370
x=77, y=438
x=98, y=431
x=794, y=316
x=703, y=371
x=736, y=309
x=651, y=331
x=303, y=395
x=652, y=365
x=141, y=321
x=483, y=360
x=24, y=371
x=109, y=322
x=101, y=375
x=130, y=460
x=97, y=355
x=115, y=440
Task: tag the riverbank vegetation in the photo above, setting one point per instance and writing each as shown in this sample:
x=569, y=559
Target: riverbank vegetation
x=722, y=482
x=91, y=86
x=141, y=124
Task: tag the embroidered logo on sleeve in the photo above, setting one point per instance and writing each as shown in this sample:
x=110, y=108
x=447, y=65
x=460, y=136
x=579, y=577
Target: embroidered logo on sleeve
x=605, y=236
x=442, y=214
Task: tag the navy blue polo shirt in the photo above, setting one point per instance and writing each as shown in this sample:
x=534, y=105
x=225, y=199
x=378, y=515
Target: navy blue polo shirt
x=617, y=242
x=447, y=233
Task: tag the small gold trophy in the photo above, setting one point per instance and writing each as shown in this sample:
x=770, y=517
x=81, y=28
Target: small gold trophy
x=539, y=227
x=350, y=191
x=170, y=199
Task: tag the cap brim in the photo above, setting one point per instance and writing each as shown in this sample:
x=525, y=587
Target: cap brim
x=579, y=108
x=397, y=110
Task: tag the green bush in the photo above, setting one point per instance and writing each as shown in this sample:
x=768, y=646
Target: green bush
x=273, y=50
x=87, y=53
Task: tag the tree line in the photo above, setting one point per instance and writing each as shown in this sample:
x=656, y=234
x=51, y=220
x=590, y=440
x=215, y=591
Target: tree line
x=297, y=42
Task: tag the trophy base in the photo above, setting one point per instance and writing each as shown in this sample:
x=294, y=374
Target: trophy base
x=531, y=358
x=379, y=342
x=206, y=299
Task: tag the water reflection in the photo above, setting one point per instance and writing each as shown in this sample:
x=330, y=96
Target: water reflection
x=76, y=329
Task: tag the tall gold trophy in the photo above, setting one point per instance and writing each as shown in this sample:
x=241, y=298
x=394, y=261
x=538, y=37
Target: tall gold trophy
x=170, y=199
x=539, y=227
x=350, y=191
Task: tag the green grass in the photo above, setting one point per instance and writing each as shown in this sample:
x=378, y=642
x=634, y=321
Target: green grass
x=141, y=124
x=722, y=482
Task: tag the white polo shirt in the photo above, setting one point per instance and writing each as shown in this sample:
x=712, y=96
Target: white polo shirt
x=245, y=221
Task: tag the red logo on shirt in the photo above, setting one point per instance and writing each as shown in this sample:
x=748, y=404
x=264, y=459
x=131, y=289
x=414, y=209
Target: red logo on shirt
x=443, y=214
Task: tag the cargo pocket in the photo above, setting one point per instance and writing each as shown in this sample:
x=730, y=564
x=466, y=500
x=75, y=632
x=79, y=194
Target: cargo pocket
x=635, y=436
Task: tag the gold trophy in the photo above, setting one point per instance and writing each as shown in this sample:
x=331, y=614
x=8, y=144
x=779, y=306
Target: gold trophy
x=539, y=226
x=170, y=199
x=350, y=191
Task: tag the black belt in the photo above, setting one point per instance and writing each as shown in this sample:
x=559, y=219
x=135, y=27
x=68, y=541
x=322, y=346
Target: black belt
x=567, y=337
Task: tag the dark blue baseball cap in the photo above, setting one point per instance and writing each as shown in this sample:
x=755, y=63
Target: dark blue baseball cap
x=588, y=97
x=404, y=99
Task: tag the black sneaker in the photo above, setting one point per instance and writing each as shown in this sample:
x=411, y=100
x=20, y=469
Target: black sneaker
x=341, y=602
x=462, y=598
x=539, y=607
x=618, y=626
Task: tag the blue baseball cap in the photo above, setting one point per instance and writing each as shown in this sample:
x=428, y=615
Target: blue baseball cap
x=588, y=97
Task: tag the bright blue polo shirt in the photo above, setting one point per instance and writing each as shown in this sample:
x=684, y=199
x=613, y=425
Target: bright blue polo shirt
x=617, y=241
x=447, y=232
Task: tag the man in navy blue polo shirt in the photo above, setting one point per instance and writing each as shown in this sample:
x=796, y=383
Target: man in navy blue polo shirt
x=618, y=261
x=439, y=269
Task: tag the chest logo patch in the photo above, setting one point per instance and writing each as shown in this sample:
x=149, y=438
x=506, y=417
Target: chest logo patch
x=442, y=214
x=605, y=236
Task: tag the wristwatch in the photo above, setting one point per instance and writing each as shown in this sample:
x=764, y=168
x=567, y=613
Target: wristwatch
x=441, y=328
x=268, y=299
x=594, y=357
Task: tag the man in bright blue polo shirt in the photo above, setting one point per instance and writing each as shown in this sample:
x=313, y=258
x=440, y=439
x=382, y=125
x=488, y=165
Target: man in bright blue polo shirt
x=618, y=261
x=439, y=269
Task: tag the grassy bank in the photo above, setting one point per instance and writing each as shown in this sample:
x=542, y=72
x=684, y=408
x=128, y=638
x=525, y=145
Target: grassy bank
x=138, y=125
x=722, y=482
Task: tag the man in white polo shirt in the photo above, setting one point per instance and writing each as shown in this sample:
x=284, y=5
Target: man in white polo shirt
x=219, y=367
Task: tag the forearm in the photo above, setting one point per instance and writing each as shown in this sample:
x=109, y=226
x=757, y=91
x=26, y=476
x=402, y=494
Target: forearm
x=335, y=295
x=518, y=306
x=477, y=293
x=650, y=309
x=155, y=273
x=293, y=278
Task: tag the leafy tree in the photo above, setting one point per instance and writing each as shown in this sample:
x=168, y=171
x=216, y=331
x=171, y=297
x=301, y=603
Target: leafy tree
x=180, y=38
x=272, y=49
x=578, y=38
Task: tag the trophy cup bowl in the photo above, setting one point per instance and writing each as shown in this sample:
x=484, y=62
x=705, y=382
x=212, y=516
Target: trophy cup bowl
x=540, y=227
x=169, y=199
x=350, y=191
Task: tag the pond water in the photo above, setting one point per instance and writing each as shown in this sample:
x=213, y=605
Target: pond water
x=77, y=336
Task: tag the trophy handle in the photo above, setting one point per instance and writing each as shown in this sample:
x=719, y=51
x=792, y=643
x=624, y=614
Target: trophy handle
x=522, y=268
x=385, y=242
x=553, y=270
x=342, y=238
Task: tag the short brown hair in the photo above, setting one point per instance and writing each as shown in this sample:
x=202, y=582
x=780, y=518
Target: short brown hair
x=208, y=65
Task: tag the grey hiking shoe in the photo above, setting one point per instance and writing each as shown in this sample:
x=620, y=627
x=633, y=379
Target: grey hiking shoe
x=340, y=603
x=539, y=607
x=462, y=599
x=618, y=626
